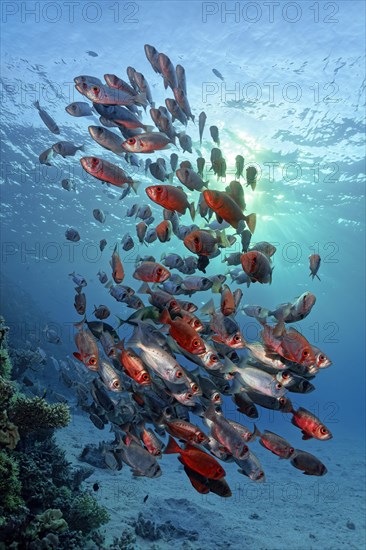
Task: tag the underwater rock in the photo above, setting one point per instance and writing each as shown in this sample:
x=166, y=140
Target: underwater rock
x=147, y=529
x=93, y=454
x=9, y=435
x=10, y=485
x=85, y=514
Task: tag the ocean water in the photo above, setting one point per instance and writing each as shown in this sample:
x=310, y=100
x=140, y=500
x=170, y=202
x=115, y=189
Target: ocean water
x=292, y=102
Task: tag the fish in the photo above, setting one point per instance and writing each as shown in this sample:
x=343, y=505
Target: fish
x=152, y=56
x=109, y=376
x=239, y=166
x=72, y=234
x=190, y=179
x=151, y=272
x=225, y=433
x=99, y=215
x=205, y=242
x=180, y=97
x=276, y=444
x=290, y=344
x=143, y=87
x=66, y=148
x=186, y=431
x=100, y=93
x=114, y=81
x=107, y=139
x=173, y=161
x=196, y=459
x=46, y=156
x=218, y=74
x=107, y=172
x=185, y=336
x=123, y=118
x=79, y=280
x=175, y=111
x=101, y=312
x=102, y=276
x=79, y=109
x=68, y=185
x=257, y=266
x=138, y=458
x=227, y=209
x=88, y=352
x=214, y=131
x=133, y=366
x=308, y=463
x=167, y=70
x=164, y=231
x=80, y=302
x=251, y=467
x=118, y=272
x=201, y=124
x=171, y=198
x=228, y=306
x=185, y=142
x=147, y=143
x=225, y=328
x=310, y=425
x=47, y=119
x=127, y=242
x=314, y=261
x=251, y=177
x=200, y=167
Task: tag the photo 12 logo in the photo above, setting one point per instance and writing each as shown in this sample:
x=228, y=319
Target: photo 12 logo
x=270, y=12
x=72, y=12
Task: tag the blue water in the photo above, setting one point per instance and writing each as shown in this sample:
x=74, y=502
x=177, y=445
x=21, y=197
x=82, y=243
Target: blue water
x=292, y=102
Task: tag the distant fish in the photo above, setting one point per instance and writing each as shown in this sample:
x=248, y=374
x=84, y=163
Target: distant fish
x=91, y=53
x=47, y=119
x=218, y=74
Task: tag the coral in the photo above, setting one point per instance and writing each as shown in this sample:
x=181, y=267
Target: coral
x=9, y=435
x=35, y=413
x=51, y=520
x=86, y=514
x=23, y=359
x=10, y=485
x=5, y=364
x=127, y=541
x=6, y=391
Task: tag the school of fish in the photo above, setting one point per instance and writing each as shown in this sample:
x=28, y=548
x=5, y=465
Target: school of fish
x=181, y=361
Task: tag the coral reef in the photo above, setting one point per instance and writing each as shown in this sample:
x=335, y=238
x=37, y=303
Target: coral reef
x=35, y=413
x=42, y=505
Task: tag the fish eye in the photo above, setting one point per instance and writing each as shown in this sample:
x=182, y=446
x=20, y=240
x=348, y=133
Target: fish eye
x=173, y=303
x=189, y=396
x=196, y=323
x=96, y=89
x=323, y=430
x=179, y=374
x=92, y=361
x=159, y=270
x=196, y=343
x=236, y=338
x=194, y=387
x=278, y=386
x=291, y=450
x=145, y=376
x=159, y=189
x=260, y=475
x=285, y=375
x=94, y=161
x=282, y=400
x=201, y=436
x=116, y=384
x=321, y=357
x=305, y=353
x=73, y=107
x=131, y=141
x=217, y=397
x=196, y=240
x=84, y=86
x=214, y=358
x=220, y=470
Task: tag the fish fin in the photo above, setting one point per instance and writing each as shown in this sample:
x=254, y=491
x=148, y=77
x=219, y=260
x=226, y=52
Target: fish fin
x=77, y=356
x=149, y=129
x=251, y=221
x=144, y=289
x=36, y=104
x=82, y=148
x=208, y=308
x=172, y=447
x=210, y=413
x=317, y=276
x=120, y=322
x=217, y=339
x=165, y=317
x=223, y=238
x=192, y=210
x=305, y=435
x=256, y=432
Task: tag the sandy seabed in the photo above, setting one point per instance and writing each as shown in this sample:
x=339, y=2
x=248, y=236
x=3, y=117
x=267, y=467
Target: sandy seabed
x=287, y=511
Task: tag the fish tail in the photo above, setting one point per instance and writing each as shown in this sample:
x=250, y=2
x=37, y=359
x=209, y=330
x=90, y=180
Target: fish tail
x=270, y=277
x=144, y=289
x=120, y=322
x=317, y=276
x=141, y=99
x=256, y=432
x=223, y=238
x=80, y=324
x=36, y=104
x=135, y=185
x=192, y=210
x=172, y=447
x=251, y=221
x=208, y=308
x=82, y=148
x=149, y=128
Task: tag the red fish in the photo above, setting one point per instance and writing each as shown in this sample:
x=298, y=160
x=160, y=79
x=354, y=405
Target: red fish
x=171, y=198
x=289, y=344
x=314, y=260
x=108, y=172
x=310, y=425
x=134, y=366
x=118, y=273
x=257, y=266
x=185, y=336
x=187, y=431
x=197, y=460
x=228, y=306
x=227, y=209
x=88, y=352
x=151, y=272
